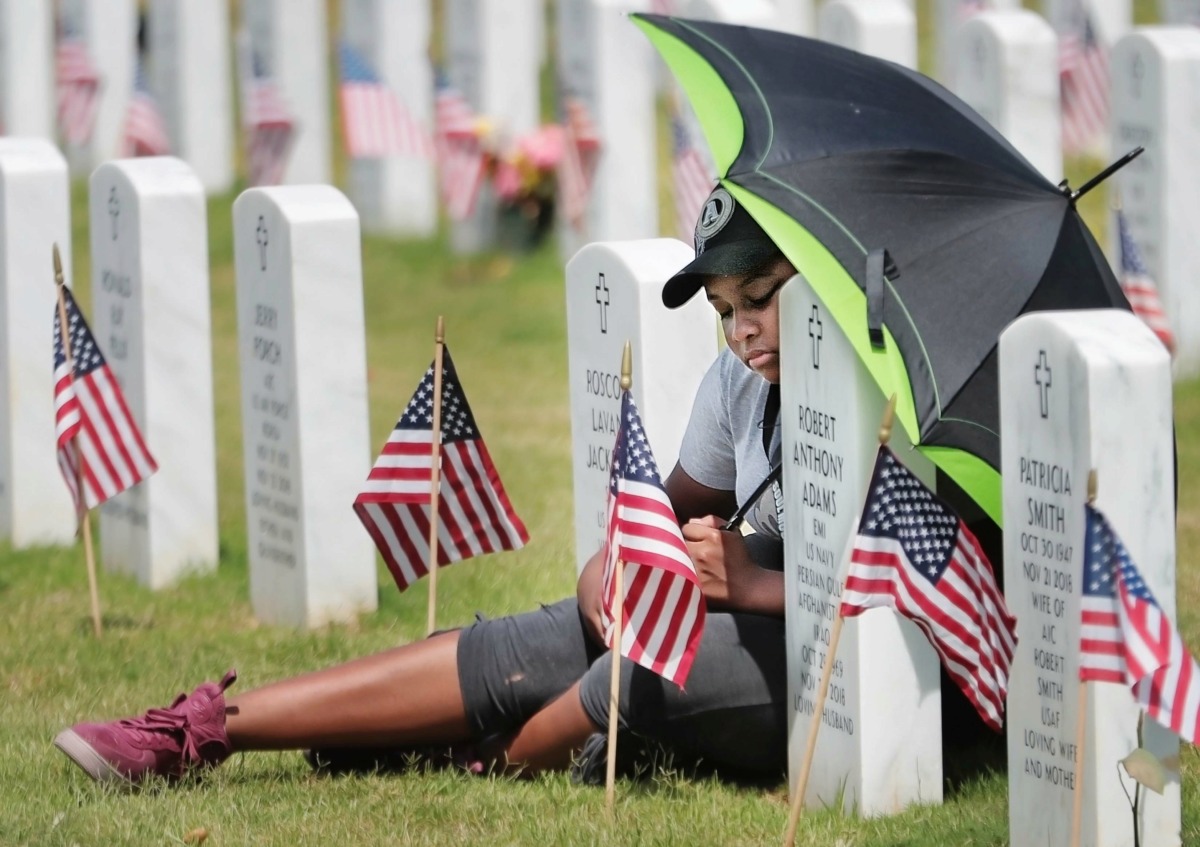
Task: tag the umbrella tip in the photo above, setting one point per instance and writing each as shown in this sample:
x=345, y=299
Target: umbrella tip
x=1100, y=177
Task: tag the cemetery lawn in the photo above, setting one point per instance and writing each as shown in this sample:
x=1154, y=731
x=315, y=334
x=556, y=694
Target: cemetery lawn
x=505, y=323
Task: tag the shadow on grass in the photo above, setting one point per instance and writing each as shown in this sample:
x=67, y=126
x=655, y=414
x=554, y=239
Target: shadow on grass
x=966, y=763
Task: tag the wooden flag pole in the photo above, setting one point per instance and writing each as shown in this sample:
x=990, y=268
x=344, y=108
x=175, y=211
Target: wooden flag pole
x=614, y=688
x=614, y=683
x=435, y=472
x=789, y=837
x=1081, y=717
x=85, y=517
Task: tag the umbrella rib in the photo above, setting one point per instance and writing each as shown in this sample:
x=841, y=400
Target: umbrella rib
x=975, y=424
x=762, y=98
x=808, y=199
x=937, y=396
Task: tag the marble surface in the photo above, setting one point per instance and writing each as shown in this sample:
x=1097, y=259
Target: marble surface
x=150, y=316
x=879, y=747
x=610, y=69
x=1007, y=65
x=286, y=35
x=614, y=295
x=302, y=353
x=492, y=54
x=397, y=195
x=948, y=16
x=27, y=68
x=1079, y=391
x=35, y=507
x=109, y=30
x=757, y=13
x=1180, y=11
x=886, y=29
x=1155, y=75
x=189, y=67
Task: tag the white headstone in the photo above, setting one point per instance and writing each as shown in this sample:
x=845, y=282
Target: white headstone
x=1155, y=75
x=614, y=295
x=302, y=346
x=492, y=60
x=795, y=16
x=886, y=29
x=189, y=68
x=757, y=13
x=35, y=507
x=1008, y=71
x=949, y=15
x=289, y=38
x=108, y=30
x=879, y=748
x=1081, y=391
x=396, y=194
x=1112, y=18
x=150, y=316
x=27, y=68
x=609, y=69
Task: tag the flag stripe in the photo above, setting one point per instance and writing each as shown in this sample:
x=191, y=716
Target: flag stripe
x=662, y=605
x=375, y=122
x=474, y=513
x=1127, y=638
x=98, y=441
x=914, y=555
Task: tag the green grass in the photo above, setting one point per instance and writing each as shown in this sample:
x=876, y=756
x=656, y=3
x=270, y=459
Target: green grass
x=506, y=326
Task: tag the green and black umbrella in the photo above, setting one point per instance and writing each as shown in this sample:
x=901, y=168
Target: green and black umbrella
x=922, y=230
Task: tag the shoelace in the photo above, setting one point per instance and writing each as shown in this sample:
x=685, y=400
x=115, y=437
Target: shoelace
x=158, y=729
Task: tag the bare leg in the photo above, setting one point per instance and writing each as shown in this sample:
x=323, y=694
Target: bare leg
x=409, y=695
x=548, y=740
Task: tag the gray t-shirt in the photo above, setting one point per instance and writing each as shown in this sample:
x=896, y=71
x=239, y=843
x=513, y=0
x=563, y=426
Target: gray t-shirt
x=722, y=446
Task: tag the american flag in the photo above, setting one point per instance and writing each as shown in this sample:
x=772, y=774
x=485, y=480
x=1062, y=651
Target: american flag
x=691, y=178
x=1139, y=286
x=581, y=154
x=267, y=123
x=145, y=133
x=474, y=513
x=374, y=121
x=1083, y=70
x=459, y=150
x=98, y=441
x=663, y=609
x=913, y=554
x=1125, y=636
x=78, y=88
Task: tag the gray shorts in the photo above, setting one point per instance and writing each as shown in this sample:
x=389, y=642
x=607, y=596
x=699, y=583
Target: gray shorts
x=733, y=712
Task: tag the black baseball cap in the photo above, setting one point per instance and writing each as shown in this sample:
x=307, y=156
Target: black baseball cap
x=728, y=241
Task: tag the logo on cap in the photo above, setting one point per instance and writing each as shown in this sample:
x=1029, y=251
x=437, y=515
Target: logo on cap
x=718, y=209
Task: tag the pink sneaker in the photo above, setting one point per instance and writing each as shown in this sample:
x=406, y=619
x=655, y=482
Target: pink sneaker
x=162, y=742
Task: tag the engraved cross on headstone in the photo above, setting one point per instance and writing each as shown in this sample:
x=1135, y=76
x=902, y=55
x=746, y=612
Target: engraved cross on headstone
x=1043, y=366
x=1137, y=73
x=114, y=209
x=260, y=236
x=816, y=333
x=602, y=288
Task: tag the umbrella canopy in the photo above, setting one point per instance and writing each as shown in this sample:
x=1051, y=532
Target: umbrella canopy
x=840, y=156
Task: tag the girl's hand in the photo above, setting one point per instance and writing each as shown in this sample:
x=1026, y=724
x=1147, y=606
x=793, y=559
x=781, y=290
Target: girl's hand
x=728, y=576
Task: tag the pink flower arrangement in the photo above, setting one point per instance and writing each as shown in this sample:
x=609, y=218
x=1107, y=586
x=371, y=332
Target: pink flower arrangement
x=528, y=168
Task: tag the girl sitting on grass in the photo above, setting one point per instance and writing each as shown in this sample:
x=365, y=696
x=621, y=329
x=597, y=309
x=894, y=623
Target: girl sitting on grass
x=524, y=693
